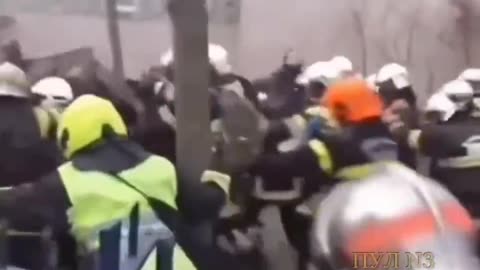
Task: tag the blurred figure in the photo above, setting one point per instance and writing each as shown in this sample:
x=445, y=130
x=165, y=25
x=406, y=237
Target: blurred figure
x=221, y=75
x=360, y=136
x=279, y=95
x=452, y=142
x=289, y=132
x=233, y=105
x=53, y=93
x=25, y=131
x=375, y=222
x=393, y=85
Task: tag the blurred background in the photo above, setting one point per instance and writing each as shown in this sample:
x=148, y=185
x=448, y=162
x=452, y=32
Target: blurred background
x=435, y=39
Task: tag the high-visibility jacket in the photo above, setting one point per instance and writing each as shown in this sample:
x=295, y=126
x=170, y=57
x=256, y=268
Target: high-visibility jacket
x=99, y=188
x=113, y=200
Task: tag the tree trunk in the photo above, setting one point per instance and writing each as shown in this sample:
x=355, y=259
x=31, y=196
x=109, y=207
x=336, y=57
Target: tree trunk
x=115, y=43
x=190, y=32
x=360, y=29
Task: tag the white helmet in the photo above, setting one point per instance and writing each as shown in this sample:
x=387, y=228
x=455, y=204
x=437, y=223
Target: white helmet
x=13, y=81
x=54, y=90
x=439, y=102
x=342, y=63
x=395, y=72
x=459, y=92
x=217, y=55
x=323, y=72
x=470, y=74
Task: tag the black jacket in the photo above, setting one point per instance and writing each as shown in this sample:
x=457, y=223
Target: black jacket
x=445, y=140
x=25, y=155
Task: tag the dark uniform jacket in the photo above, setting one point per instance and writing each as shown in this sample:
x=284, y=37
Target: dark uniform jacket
x=452, y=145
x=354, y=146
x=26, y=153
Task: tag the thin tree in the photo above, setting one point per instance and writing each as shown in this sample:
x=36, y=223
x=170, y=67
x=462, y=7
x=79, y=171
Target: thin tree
x=359, y=27
x=190, y=37
x=114, y=35
x=118, y=83
x=463, y=21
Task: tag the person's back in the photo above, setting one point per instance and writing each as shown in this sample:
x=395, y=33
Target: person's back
x=452, y=142
x=451, y=145
x=123, y=175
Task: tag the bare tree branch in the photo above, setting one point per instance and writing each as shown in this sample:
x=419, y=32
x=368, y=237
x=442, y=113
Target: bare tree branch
x=411, y=34
x=360, y=29
x=190, y=39
x=115, y=42
x=463, y=23
x=386, y=49
x=430, y=80
x=384, y=52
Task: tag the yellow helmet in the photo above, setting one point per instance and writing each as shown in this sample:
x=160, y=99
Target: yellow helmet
x=84, y=121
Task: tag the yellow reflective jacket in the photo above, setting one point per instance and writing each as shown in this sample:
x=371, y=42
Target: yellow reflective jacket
x=106, y=200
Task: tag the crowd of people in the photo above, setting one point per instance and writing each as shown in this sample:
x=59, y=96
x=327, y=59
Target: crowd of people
x=77, y=163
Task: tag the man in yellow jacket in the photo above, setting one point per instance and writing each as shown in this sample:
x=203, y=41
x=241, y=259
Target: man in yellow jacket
x=105, y=177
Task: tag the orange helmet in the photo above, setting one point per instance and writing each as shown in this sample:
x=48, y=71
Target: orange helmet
x=352, y=100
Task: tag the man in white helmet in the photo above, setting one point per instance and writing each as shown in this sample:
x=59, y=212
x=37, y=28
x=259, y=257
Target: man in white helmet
x=345, y=66
x=393, y=85
x=318, y=77
x=221, y=72
x=24, y=130
x=54, y=93
x=222, y=79
x=452, y=142
x=393, y=219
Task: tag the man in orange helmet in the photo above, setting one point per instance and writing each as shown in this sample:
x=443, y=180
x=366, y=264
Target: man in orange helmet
x=361, y=140
x=353, y=150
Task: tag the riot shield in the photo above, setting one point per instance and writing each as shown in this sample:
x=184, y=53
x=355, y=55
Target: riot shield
x=78, y=63
x=243, y=130
x=87, y=76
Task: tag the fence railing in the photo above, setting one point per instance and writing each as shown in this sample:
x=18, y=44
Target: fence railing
x=48, y=245
x=140, y=247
